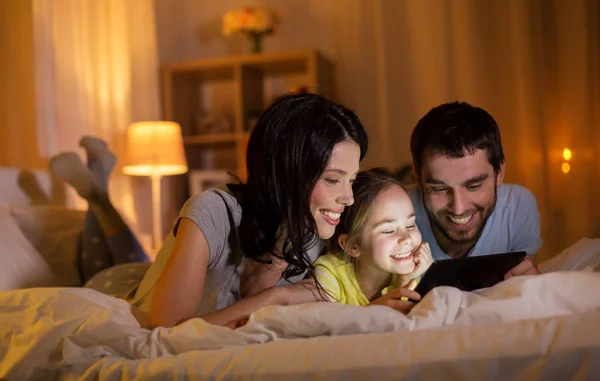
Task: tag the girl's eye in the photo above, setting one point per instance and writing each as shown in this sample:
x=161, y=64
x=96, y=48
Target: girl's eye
x=388, y=232
x=411, y=227
x=332, y=181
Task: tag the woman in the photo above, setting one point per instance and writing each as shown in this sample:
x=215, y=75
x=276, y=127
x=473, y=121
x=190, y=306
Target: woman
x=242, y=240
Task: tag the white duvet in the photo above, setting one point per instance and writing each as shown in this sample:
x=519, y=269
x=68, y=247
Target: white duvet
x=44, y=331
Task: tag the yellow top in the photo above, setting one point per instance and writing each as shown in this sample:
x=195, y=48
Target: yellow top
x=337, y=276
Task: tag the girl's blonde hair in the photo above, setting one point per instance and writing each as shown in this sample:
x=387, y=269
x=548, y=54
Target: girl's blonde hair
x=368, y=185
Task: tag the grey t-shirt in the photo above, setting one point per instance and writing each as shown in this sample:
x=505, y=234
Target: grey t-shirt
x=514, y=225
x=218, y=215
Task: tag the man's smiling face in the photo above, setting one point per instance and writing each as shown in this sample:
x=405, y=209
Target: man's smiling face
x=459, y=195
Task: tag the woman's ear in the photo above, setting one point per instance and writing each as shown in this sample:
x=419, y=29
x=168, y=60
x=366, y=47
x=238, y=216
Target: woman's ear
x=351, y=251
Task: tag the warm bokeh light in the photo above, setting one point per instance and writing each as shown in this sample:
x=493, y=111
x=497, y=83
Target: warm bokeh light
x=566, y=167
x=567, y=155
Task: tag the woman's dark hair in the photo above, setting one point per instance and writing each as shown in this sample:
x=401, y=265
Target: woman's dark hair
x=288, y=150
x=454, y=128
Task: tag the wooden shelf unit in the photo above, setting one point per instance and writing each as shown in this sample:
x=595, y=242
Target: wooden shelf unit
x=238, y=88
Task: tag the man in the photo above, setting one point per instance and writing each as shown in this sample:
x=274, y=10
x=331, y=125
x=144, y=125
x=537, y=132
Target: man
x=462, y=206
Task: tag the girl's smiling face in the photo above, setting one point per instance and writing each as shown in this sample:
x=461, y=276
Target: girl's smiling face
x=390, y=236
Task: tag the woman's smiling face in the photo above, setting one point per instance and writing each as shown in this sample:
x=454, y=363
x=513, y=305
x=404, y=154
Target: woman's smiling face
x=333, y=190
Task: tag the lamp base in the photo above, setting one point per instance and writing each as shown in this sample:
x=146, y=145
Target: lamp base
x=156, y=212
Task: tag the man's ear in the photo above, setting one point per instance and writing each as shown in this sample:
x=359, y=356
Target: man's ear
x=416, y=175
x=500, y=175
x=351, y=251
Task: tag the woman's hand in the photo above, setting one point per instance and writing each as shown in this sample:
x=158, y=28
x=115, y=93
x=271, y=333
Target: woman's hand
x=237, y=323
x=398, y=299
x=233, y=316
x=423, y=260
x=305, y=291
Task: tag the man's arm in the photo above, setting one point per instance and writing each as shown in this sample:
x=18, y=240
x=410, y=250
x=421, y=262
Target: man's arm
x=527, y=267
x=526, y=232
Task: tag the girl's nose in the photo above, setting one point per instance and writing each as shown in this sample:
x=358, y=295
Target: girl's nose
x=404, y=239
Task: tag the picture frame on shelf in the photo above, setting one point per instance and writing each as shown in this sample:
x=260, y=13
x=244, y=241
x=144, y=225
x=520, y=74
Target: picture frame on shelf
x=201, y=180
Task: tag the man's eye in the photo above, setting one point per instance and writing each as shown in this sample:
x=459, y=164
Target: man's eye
x=473, y=187
x=438, y=189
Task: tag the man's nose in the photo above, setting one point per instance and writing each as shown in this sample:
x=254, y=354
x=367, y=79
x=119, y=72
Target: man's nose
x=459, y=202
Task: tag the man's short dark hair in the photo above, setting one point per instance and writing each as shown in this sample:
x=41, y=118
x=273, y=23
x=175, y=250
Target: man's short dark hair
x=453, y=129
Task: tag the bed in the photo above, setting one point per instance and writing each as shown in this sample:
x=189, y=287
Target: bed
x=531, y=328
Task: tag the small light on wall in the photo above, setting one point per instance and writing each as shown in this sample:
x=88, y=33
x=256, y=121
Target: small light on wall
x=567, y=154
x=566, y=167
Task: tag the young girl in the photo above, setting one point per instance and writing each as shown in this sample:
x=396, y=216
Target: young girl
x=241, y=241
x=376, y=255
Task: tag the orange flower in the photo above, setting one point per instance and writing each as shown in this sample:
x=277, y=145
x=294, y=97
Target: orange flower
x=250, y=20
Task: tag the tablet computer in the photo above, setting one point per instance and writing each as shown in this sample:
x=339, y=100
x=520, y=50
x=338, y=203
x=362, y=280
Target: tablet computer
x=469, y=273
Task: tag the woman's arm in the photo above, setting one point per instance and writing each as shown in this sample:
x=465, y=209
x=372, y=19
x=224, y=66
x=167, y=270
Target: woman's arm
x=298, y=293
x=178, y=291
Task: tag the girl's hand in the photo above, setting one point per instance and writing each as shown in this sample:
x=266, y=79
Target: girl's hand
x=423, y=260
x=398, y=299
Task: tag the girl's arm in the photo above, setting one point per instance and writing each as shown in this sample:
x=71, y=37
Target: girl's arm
x=398, y=299
x=178, y=291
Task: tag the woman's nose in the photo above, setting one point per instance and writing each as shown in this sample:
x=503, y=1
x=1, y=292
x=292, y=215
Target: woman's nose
x=346, y=198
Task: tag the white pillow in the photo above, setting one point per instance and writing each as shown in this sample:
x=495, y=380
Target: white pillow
x=55, y=232
x=21, y=266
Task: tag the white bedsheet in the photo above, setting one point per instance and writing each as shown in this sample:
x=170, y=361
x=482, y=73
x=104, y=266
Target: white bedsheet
x=551, y=319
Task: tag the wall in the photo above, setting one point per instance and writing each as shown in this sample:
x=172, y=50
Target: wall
x=341, y=30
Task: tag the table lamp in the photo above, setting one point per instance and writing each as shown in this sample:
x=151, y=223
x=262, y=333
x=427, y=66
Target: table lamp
x=155, y=149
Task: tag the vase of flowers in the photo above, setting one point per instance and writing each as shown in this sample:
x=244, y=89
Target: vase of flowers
x=255, y=23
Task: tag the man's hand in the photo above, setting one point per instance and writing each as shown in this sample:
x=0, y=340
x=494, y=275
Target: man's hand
x=423, y=261
x=524, y=268
x=394, y=299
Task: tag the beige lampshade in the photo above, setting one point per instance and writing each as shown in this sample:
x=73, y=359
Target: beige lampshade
x=154, y=148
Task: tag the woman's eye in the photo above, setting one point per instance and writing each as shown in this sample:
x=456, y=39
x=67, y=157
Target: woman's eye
x=388, y=232
x=410, y=227
x=332, y=181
